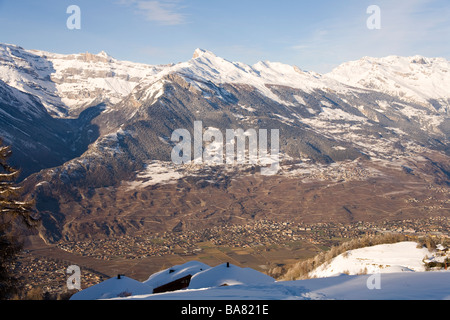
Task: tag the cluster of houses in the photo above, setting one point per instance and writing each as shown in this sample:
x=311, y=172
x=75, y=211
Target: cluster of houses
x=191, y=275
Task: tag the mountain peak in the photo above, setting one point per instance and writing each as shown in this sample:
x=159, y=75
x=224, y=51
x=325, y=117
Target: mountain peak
x=103, y=54
x=201, y=52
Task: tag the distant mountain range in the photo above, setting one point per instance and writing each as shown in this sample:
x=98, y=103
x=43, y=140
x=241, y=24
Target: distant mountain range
x=92, y=134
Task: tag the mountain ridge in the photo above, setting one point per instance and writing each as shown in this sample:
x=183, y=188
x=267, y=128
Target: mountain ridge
x=204, y=57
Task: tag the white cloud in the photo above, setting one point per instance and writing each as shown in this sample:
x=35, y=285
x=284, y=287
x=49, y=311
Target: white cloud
x=165, y=12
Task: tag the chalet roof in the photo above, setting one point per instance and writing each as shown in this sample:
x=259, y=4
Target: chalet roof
x=228, y=274
x=174, y=273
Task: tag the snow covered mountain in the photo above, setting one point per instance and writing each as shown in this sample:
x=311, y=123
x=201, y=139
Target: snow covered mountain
x=68, y=84
x=81, y=123
x=418, y=79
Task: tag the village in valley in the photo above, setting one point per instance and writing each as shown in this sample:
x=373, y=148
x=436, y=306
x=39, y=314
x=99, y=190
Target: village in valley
x=262, y=233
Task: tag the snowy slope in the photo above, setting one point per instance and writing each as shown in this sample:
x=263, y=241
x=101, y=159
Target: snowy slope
x=414, y=78
x=393, y=286
x=385, y=258
x=112, y=288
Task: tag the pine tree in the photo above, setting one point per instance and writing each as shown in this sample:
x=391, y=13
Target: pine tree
x=12, y=210
x=11, y=207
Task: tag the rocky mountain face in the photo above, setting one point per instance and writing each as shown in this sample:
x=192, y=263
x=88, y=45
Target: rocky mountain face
x=93, y=138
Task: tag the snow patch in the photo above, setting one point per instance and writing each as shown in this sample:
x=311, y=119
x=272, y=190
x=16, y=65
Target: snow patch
x=156, y=172
x=385, y=258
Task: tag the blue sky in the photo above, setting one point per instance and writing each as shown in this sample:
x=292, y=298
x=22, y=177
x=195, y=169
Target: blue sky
x=314, y=35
